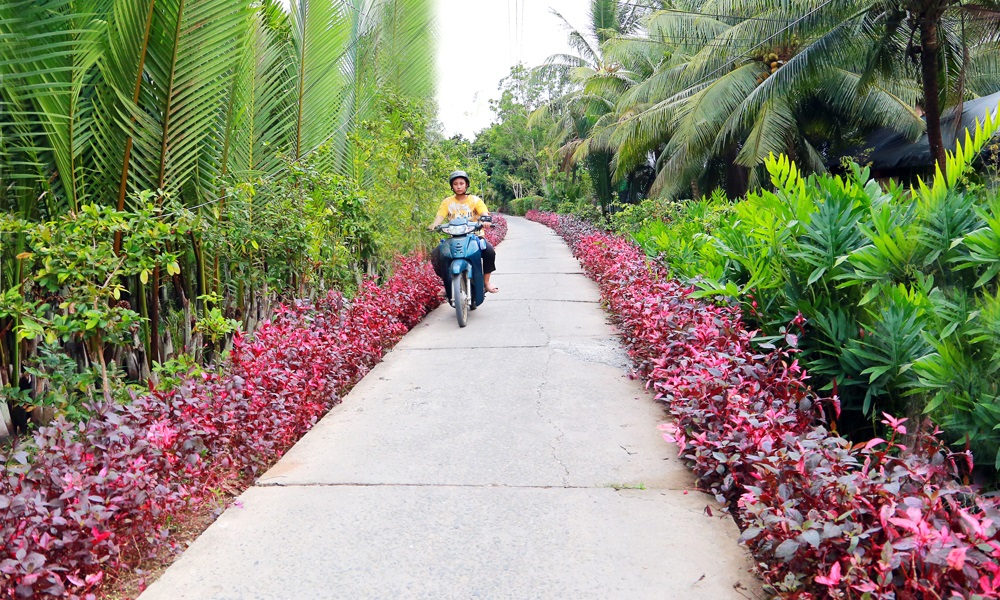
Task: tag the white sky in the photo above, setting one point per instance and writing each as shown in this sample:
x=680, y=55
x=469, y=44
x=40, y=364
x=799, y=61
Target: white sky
x=478, y=42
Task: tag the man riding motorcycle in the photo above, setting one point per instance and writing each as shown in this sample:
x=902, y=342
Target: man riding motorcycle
x=470, y=207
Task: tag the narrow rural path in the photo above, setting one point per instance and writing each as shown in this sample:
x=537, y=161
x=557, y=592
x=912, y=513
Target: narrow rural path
x=509, y=459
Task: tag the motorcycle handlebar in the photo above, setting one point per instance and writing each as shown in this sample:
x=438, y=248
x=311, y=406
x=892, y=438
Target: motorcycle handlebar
x=478, y=225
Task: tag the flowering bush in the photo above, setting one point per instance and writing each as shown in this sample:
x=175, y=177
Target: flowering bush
x=498, y=231
x=545, y=218
x=823, y=517
x=86, y=498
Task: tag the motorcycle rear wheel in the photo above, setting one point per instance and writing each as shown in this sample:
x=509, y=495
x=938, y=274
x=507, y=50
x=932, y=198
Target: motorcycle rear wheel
x=460, y=294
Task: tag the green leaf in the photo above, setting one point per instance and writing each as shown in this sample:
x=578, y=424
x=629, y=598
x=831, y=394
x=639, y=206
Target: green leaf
x=870, y=295
x=876, y=372
x=935, y=402
x=988, y=275
x=815, y=275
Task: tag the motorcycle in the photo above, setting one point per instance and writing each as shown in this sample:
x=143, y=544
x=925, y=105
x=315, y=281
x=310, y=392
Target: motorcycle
x=462, y=250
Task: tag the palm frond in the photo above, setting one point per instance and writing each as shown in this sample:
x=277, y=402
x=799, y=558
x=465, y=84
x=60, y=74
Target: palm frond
x=116, y=96
x=566, y=61
x=771, y=133
x=685, y=31
x=604, y=19
x=675, y=171
x=260, y=124
x=984, y=70
x=187, y=69
x=882, y=104
x=578, y=40
x=607, y=84
x=49, y=50
x=320, y=38
x=407, y=48
x=640, y=55
x=701, y=118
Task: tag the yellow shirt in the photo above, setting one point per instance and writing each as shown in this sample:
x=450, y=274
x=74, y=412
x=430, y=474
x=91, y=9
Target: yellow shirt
x=472, y=207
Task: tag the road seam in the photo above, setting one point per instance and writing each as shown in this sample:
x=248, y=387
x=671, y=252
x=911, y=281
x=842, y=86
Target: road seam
x=548, y=345
x=610, y=486
x=529, y=301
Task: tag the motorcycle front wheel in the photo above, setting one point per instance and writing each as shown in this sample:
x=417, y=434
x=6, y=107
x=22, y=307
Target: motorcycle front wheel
x=460, y=294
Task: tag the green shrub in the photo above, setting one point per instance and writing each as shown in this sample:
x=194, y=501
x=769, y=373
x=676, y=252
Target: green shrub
x=584, y=208
x=520, y=206
x=676, y=233
x=626, y=219
x=898, y=287
x=517, y=207
x=74, y=304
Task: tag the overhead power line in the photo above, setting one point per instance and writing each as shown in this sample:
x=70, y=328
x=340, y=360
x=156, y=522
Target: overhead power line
x=763, y=19
x=517, y=33
x=520, y=44
x=510, y=37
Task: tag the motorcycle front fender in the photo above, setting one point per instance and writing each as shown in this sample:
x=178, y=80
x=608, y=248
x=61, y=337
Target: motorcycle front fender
x=457, y=266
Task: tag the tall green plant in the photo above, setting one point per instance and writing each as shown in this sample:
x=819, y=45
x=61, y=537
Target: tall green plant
x=238, y=110
x=321, y=35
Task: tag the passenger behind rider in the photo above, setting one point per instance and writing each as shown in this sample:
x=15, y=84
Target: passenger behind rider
x=470, y=207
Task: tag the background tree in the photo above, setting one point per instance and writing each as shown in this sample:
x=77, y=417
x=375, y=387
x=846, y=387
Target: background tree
x=581, y=109
x=740, y=87
x=512, y=150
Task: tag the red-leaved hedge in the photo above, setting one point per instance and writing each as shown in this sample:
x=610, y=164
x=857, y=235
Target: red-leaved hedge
x=824, y=518
x=498, y=231
x=84, y=499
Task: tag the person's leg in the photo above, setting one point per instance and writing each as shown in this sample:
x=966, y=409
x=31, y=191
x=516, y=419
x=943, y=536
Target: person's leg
x=438, y=262
x=489, y=265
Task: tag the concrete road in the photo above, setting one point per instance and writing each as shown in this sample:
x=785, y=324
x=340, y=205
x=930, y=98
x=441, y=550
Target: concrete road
x=509, y=459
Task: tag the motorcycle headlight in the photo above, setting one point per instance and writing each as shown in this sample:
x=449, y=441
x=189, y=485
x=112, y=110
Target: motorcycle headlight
x=458, y=229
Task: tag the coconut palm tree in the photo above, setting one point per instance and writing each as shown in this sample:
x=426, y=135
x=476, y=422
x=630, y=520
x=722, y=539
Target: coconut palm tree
x=748, y=78
x=630, y=62
x=738, y=87
x=947, y=39
x=599, y=79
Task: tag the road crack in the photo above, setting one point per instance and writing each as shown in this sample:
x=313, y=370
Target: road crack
x=531, y=315
x=560, y=434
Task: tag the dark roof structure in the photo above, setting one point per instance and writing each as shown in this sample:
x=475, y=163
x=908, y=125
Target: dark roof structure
x=890, y=150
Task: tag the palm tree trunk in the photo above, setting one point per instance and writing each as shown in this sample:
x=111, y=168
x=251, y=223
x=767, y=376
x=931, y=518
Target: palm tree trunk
x=930, y=70
x=599, y=164
x=737, y=176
